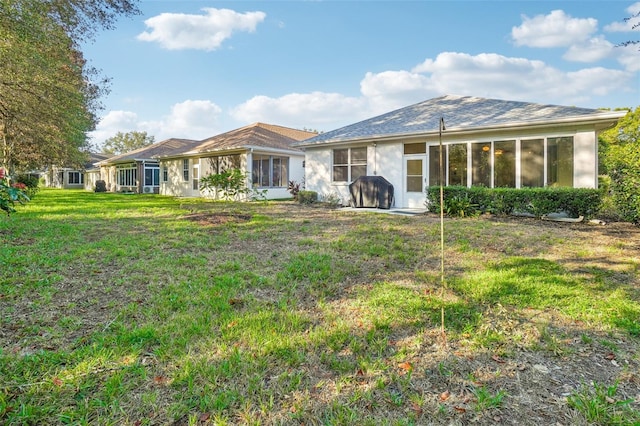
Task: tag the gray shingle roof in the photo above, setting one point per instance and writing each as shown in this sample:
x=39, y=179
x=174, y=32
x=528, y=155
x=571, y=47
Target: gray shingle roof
x=459, y=113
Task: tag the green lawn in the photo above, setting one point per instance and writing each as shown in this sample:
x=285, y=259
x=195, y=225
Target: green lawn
x=144, y=310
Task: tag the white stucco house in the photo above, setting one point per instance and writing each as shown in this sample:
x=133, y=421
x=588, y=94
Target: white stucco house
x=138, y=170
x=488, y=142
x=73, y=177
x=265, y=151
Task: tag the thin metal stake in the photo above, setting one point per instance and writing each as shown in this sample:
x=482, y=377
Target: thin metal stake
x=442, y=282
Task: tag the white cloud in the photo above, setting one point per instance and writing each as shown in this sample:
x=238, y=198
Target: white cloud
x=301, y=110
x=592, y=50
x=626, y=26
x=497, y=76
x=176, y=31
x=487, y=75
x=388, y=90
x=556, y=29
x=628, y=57
x=112, y=123
x=191, y=119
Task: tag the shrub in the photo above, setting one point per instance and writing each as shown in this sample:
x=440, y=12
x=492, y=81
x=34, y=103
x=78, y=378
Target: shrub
x=624, y=170
x=619, y=149
x=294, y=189
x=463, y=201
x=332, y=199
x=307, y=197
x=231, y=185
x=10, y=194
x=31, y=183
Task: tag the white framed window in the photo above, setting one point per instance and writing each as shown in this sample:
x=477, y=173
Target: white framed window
x=165, y=173
x=185, y=170
x=76, y=178
x=151, y=175
x=127, y=175
x=196, y=177
x=269, y=171
x=560, y=161
x=221, y=163
x=349, y=164
x=540, y=162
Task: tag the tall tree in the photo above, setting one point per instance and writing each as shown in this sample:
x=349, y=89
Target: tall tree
x=634, y=19
x=125, y=142
x=49, y=97
x=620, y=148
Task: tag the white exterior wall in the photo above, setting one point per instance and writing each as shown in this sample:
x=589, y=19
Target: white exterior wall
x=382, y=160
x=318, y=174
x=90, y=178
x=387, y=160
x=390, y=165
x=175, y=186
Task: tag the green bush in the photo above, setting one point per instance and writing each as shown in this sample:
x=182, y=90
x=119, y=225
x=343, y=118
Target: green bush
x=624, y=170
x=31, y=182
x=307, y=197
x=463, y=201
x=619, y=153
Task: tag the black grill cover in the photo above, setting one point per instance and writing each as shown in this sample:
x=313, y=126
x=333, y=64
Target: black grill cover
x=371, y=191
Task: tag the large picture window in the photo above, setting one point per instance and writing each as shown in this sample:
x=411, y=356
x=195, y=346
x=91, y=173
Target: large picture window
x=349, y=164
x=481, y=164
x=434, y=164
x=560, y=161
x=504, y=153
x=151, y=175
x=128, y=176
x=458, y=164
x=269, y=171
x=221, y=163
x=532, y=163
x=76, y=178
x=493, y=163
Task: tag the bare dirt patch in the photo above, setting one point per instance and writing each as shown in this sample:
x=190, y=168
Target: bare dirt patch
x=218, y=218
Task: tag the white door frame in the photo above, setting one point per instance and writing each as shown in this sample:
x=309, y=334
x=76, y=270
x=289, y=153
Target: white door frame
x=414, y=199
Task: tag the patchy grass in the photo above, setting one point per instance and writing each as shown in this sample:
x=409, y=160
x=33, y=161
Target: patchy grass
x=142, y=309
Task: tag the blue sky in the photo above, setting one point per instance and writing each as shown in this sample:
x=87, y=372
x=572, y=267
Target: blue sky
x=194, y=69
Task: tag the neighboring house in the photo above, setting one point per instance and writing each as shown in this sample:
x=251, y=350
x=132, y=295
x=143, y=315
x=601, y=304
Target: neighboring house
x=73, y=178
x=487, y=142
x=139, y=170
x=264, y=151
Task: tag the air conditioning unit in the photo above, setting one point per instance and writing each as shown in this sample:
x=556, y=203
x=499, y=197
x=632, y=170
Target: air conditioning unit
x=147, y=190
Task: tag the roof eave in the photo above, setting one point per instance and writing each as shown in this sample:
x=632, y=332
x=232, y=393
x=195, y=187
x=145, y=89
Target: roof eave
x=275, y=150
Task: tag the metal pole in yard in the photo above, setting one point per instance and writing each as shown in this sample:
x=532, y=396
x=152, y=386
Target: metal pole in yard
x=442, y=283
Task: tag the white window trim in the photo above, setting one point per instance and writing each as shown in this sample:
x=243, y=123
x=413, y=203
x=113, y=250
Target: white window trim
x=349, y=164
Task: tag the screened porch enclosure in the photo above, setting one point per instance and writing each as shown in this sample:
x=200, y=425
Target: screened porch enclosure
x=530, y=163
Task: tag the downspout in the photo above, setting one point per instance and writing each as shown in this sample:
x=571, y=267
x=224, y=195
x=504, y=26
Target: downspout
x=375, y=159
x=248, y=168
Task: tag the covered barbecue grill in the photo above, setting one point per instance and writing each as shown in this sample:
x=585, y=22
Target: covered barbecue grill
x=371, y=191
